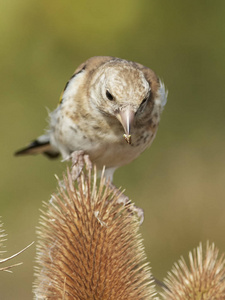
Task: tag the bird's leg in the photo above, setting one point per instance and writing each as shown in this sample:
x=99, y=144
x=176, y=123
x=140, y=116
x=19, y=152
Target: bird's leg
x=88, y=162
x=123, y=199
x=79, y=159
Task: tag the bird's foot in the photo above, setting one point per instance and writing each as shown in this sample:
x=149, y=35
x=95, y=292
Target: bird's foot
x=133, y=209
x=125, y=201
x=79, y=160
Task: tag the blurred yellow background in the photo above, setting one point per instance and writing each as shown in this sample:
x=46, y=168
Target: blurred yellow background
x=180, y=180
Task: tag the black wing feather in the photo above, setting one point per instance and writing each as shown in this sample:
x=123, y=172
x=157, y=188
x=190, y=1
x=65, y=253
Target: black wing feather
x=37, y=147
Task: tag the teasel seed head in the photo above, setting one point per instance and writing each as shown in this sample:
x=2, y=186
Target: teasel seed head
x=89, y=246
x=203, y=279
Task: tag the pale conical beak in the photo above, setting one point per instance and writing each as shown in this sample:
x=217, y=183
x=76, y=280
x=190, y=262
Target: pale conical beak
x=126, y=118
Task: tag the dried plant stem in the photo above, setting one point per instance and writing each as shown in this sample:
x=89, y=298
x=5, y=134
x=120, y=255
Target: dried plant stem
x=2, y=239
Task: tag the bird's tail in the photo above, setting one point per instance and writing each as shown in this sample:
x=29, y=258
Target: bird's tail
x=40, y=145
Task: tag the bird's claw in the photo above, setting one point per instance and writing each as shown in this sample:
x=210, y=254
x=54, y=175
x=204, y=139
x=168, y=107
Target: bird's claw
x=140, y=213
x=79, y=160
x=133, y=209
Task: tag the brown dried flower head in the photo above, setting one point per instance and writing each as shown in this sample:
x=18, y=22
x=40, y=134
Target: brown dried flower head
x=203, y=280
x=89, y=246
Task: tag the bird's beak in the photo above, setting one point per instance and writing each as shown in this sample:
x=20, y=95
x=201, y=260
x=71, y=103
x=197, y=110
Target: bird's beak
x=126, y=118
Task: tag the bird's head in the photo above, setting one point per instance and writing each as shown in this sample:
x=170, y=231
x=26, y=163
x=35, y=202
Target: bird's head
x=120, y=89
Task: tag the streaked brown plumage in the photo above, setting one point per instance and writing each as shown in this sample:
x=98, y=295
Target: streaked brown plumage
x=110, y=109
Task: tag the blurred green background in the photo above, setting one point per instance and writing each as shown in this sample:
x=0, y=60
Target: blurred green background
x=180, y=180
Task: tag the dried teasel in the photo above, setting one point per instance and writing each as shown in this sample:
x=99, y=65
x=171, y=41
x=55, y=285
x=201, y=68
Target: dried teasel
x=204, y=279
x=89, y=246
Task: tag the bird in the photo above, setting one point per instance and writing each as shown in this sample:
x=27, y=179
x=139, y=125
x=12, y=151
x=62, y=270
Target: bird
x=109, y=110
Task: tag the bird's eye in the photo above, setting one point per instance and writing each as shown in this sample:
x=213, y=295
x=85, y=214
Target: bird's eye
x=144, y=101
x=109, y=96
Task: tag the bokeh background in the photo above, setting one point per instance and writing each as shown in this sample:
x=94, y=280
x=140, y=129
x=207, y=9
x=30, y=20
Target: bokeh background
x=180, y=180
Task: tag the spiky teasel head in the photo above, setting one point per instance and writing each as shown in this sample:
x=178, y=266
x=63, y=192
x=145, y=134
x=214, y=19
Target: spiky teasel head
x=204, y=279
x=89, y=246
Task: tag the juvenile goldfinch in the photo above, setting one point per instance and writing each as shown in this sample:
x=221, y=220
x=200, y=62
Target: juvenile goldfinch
x=110, y=110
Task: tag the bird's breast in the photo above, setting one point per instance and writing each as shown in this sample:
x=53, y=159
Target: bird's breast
x=101, y=138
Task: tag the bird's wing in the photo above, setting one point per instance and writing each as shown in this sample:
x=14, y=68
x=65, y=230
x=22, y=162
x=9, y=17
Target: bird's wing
x=40, y=145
